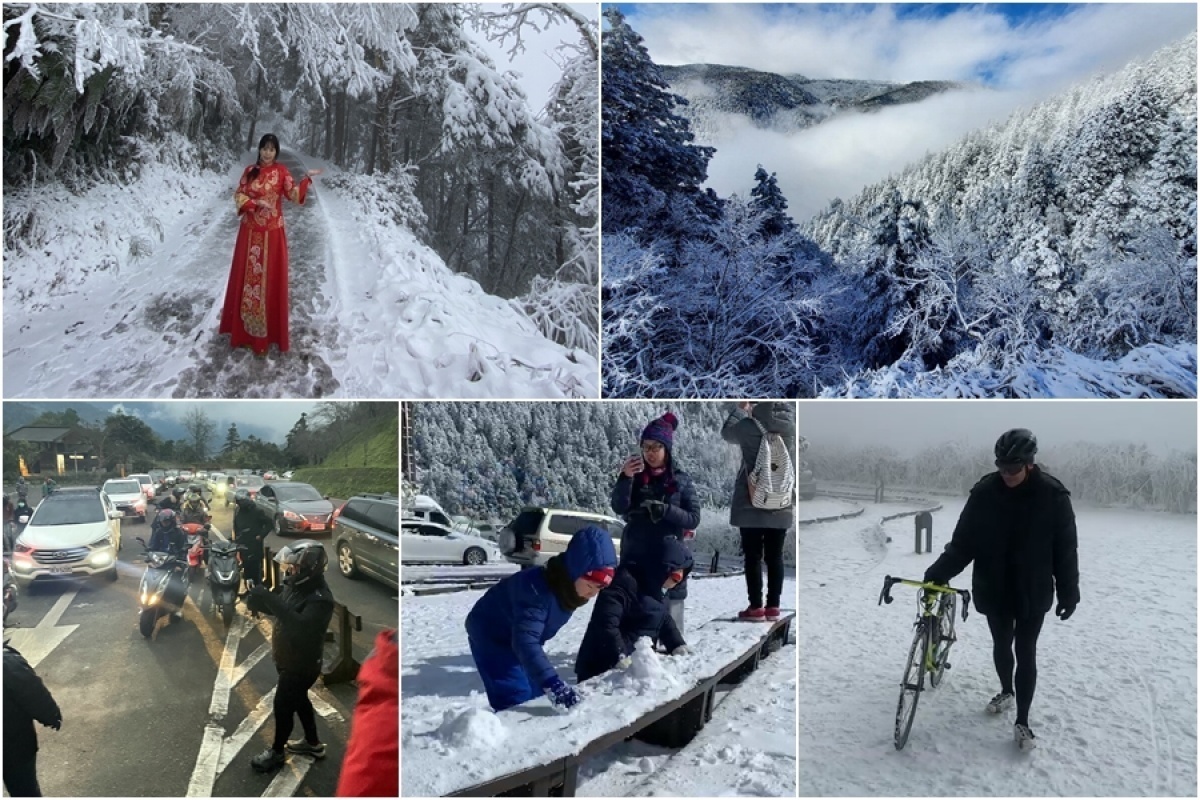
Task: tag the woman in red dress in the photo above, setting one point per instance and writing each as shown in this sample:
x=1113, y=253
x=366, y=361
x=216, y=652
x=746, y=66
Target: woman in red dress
x=256, y=300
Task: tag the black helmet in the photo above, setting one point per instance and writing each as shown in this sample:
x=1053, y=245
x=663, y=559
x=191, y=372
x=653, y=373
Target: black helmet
x=308, y=559
x=242, y=498
x=1017, y=446
x=165, y=518
x=178, y=492
x=195, y=487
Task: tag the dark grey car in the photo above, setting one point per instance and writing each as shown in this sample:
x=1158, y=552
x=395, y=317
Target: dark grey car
x=366, y=538
x=298, y=508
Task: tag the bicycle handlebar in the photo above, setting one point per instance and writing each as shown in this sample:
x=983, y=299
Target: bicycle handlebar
x=885, y=595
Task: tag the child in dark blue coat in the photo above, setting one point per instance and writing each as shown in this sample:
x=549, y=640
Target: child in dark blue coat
x=510, y=623
x=635, y=605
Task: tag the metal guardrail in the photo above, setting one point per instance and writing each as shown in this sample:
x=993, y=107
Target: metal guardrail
x=672, y=725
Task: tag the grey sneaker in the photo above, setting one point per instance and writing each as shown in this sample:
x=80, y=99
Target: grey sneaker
x=1001, y=702
x=268, y=760
x=1024, y=737
x=302, y=747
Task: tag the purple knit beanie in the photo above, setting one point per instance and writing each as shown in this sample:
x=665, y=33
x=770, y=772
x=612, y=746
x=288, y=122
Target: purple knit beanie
x=661, y=430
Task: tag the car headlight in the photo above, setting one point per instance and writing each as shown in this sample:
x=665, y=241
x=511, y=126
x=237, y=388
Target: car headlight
x=21, y=547
x=100, y=559
x=104, y=541
x=292, y=515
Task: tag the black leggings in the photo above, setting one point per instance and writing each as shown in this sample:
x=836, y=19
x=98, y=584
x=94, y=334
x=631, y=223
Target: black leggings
x=1024, y=632
x=757, y=543
x=291, y=697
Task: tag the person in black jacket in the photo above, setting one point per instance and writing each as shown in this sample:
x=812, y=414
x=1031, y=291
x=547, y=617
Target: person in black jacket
x=26, y=700
x=633, y=606
x=251, y=526
x=657, y=500
x=302, y=613
x=1018, y=528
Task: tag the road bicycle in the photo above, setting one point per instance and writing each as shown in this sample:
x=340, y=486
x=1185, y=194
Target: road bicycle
x=932, y=638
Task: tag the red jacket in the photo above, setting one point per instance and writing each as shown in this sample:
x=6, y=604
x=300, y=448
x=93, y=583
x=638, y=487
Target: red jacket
x=372, y=764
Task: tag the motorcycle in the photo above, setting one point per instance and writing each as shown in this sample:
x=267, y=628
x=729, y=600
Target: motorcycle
x=224, y=577
x=10, y=589
x=163, y=588
x=197, y=537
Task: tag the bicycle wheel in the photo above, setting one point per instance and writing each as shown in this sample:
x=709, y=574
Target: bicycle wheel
x=911, y=685
x=943, y=638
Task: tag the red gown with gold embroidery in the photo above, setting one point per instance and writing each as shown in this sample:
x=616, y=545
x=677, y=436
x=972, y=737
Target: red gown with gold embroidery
x=256, y=300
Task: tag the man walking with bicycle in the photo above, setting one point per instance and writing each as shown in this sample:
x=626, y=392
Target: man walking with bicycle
x=1018, y=527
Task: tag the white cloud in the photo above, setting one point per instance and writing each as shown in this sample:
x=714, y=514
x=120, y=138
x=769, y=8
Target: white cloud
x=1022, y=62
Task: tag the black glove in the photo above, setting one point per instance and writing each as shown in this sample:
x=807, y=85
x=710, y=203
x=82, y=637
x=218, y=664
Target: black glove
x=1065, y=610
x=56, y=725
x=657, y=509
x=933, y=577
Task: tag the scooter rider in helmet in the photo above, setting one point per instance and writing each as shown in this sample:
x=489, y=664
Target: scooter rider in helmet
x=251, y=526
x=172, y=501
x=195, y=509
x=22, y=488
x=302, y=612
x=166, y=536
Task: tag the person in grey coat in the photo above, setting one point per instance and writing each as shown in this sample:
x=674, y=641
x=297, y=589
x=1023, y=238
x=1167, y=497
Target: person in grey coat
x=762, y=530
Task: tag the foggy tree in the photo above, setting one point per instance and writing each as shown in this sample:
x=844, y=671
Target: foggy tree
x=200, y=430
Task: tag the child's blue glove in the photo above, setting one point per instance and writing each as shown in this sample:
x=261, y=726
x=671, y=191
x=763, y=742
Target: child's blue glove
x=559, y=693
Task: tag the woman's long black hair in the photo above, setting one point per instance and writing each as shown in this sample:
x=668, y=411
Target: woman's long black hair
x=268, y=138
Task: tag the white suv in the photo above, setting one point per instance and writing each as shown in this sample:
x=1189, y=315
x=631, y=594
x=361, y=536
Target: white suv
x=72, y=532
x=539, y=533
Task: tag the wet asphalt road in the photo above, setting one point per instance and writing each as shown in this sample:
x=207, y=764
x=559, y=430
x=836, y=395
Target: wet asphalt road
x=135, y=710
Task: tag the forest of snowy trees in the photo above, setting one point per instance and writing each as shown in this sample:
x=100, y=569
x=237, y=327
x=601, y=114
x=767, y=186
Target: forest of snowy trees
x=488, y=460
x=401, y=97
x=1054, y=254
x=1126, y=474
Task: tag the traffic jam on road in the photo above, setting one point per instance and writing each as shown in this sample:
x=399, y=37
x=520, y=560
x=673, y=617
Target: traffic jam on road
x=195, y=612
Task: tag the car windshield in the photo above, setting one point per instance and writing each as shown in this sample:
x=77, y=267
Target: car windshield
x=68, y=510
x=140, y=478
x=250, y=480
x=303, y=492
x=122, y=487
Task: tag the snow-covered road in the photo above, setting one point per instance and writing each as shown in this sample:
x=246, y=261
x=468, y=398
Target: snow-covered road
x=1115, y=710
x=122, y=299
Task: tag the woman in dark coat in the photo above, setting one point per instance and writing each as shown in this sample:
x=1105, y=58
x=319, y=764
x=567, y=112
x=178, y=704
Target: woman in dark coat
x=656, y=499
x=1018, y=528
x=632, y=607
x=762, y=530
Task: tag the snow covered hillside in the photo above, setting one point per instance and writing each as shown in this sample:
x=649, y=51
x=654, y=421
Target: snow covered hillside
x=116, y=293
x=747, y=748
x=1115, y=710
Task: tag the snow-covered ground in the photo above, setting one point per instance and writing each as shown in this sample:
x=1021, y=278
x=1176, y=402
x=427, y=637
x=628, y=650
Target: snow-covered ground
x=121, y=298
x=747, y=748
x=1115, y=710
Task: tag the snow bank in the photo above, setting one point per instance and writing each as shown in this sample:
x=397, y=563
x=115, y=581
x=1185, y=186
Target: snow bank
x=438, y=673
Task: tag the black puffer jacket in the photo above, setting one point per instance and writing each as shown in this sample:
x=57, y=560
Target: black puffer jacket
x=633, y=606
x=1023, y=544
x=26, y=699
x=301, y=615
x=643, y=537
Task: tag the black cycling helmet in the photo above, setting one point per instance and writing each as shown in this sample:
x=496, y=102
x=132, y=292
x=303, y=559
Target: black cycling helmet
x=178, y=492
x=306, y=558
x=165, y=518
x=242, y=498
x=1017, y=446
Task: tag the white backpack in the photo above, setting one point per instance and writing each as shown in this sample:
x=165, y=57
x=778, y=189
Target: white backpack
x=772, y=480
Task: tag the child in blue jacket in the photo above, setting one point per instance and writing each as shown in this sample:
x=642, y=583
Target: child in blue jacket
x=510, y=623
x=635, y=605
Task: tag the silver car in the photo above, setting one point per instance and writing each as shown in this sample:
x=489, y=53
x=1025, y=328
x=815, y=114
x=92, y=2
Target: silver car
x=127, y=497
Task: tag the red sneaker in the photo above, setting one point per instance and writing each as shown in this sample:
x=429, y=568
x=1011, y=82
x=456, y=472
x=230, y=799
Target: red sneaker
x=771, y=612
x=751, y=613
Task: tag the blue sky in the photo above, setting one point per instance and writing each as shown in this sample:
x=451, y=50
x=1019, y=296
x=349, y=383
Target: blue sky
x=1004, y=45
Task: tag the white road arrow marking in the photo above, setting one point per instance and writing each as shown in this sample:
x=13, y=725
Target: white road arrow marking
x=290, y=775
x=37, y=643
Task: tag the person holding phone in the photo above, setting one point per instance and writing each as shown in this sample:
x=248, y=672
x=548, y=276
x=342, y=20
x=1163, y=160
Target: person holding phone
x=657, y=500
